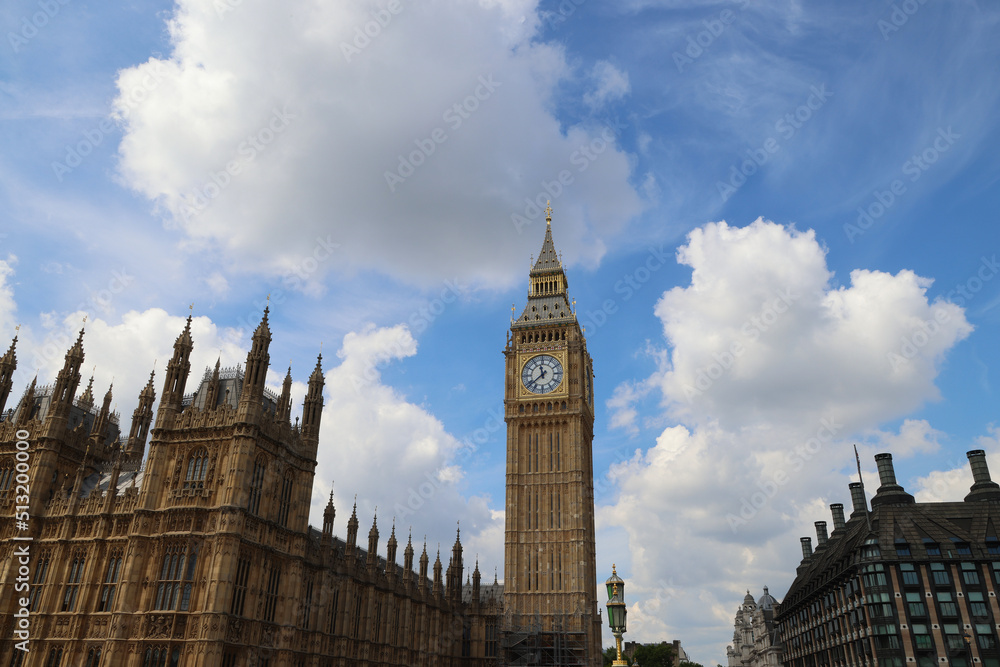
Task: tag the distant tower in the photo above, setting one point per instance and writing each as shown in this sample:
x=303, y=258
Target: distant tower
x=549, y=558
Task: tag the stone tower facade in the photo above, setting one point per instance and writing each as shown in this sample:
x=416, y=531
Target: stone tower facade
x=550, y=577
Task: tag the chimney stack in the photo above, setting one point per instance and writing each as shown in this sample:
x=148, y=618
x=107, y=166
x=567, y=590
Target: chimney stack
x=890, y=493
x=983, y=488
x=821, y=536
x=858, y=499
x=838, y=516
x=807, y=550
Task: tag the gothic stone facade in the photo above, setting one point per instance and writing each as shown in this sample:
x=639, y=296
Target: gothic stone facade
x=202, y=556
x=755, y=637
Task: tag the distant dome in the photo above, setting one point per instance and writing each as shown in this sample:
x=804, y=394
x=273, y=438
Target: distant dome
x=766, y=601
x=749, y=598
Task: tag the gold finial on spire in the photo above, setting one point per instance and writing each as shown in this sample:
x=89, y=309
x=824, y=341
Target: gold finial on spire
x=548, y=213
x=85, y=318
x=191, y=308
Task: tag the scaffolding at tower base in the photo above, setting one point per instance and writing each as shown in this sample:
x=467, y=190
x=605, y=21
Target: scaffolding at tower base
x=530, y=644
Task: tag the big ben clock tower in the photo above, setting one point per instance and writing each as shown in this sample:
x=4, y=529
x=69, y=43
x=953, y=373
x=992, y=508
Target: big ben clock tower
x=550, y=578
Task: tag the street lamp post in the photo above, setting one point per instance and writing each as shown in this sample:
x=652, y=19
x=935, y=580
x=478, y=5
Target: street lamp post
x=617, y=612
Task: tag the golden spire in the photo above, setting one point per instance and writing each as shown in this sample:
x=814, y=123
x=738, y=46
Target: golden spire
x=548, y=214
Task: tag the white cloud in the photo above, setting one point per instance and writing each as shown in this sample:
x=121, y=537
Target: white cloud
x=372, y=434
x=761, y=335
x=8, y=307
x=771, y=369
x=611, y=84
x=314, y=129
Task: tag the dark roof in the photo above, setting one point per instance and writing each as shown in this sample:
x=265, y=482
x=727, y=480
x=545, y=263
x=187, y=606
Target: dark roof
x=918, y=525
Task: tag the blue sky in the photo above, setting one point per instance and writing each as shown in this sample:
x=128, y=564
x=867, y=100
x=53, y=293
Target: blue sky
x=775, y=217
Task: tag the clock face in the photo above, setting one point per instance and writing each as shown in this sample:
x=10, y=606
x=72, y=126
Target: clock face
x=542, y=374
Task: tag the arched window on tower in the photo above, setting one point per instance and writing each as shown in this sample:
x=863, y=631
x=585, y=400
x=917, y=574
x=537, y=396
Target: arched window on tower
x=6, y=476
x=197, y=467
x=285, y=502
x=256, y=485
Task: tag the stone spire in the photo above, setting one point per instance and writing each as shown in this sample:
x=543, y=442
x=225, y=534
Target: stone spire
x=284, y=411
x=100, y=427
x=212, y=391
x=8, y=364
x=142, y=417
x=328, y=515
x=87, y=397
x=476, y=579
x=67, y=381
x=548, y=300
x=373, y=543
x=352, y=529
x=312, y=407
x=255, y=373
x=175, y=378
x=437, y=574
x=408, y=559
x=423, y=566
x=27, y=404
x=390, y=548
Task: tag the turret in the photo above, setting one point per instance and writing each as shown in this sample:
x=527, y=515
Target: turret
x=212, y=391
x=328, y=514
x=8, y=364
x=65, y=386
x=352, y=532
x=176, y=376
x=476, y=578
x=408, y=560
x=437, y=575
x=142, y=417
x=27, y=405
x=99, y=431
x=255, y=375
x=283, y=414
x=423, y=568
x=373, y=545
x=312, y=407
x=390, y=553
x=455, y=569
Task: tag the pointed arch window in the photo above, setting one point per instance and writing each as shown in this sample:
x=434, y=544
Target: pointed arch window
x=256, y=485
x=107, y=596
x=73, y=582
x=196, y=469
x=176, y=578
x=6, y=476
x=285, y=501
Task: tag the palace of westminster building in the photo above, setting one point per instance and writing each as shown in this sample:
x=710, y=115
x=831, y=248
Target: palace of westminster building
x=198, y=552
